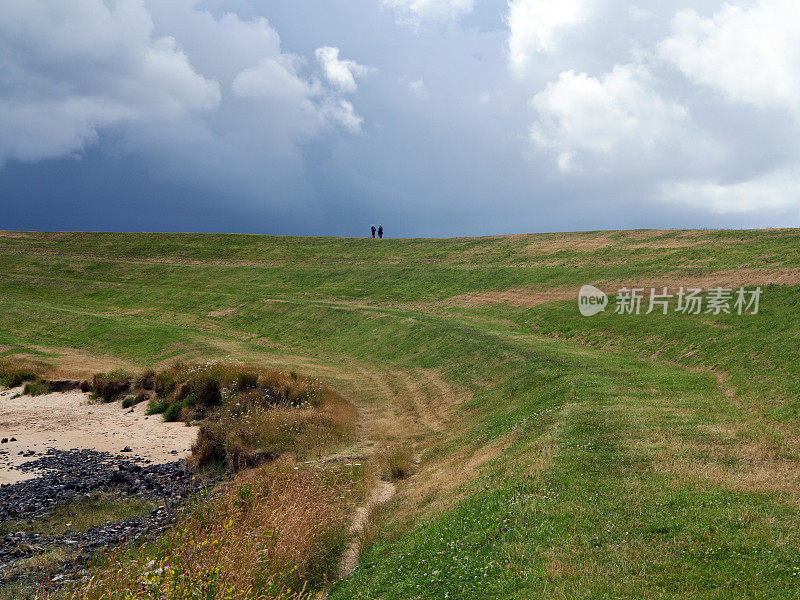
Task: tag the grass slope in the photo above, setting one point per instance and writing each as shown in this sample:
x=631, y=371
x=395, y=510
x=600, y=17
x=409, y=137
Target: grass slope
x=651, y=456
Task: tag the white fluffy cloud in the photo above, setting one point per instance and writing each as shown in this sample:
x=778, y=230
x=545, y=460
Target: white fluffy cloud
x=647, y=123
x=607, y=118
x=69, y=67
x=340, y=73
x=342, y=112
x=434, y=10
x=752, y=54
x=277, y=78
x=777, y=190
x=273, y=77
x=537, y=25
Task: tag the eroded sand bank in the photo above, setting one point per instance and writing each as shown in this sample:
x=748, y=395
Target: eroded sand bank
x=70, y=420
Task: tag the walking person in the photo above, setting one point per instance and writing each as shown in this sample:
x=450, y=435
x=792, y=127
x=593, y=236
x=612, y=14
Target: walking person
x=373, y=232
x=380, y=231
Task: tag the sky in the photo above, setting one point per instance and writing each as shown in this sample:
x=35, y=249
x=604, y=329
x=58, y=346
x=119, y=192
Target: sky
x=432, y=117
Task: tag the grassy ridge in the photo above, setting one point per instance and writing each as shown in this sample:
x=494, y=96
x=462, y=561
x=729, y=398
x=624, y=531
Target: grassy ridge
x=574, y=457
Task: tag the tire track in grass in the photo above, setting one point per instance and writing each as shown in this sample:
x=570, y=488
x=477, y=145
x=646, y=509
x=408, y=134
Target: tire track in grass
x=446, y=395
x=414, y=391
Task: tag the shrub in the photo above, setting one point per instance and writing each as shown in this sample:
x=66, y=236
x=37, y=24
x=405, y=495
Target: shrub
x=36, y=388
x=139, y=397
x=173, y=411
x=235, y=449
x=180, y=393
x=187, y=415
x=156, y=406
x=249, y=415
x=145, y=380
x=108, y=386
x=188, y=399
x=242, y=437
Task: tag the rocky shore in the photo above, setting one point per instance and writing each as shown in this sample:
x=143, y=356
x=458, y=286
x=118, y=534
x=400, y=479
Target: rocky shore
x=65, y=477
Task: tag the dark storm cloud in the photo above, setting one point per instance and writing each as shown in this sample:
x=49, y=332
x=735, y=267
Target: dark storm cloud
x=435, y=117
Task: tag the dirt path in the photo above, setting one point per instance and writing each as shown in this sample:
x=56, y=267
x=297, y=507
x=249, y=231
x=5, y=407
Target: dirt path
x=381, y=493
x=69, y=420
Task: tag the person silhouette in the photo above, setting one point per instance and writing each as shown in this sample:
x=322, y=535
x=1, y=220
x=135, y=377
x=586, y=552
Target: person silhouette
x=380, y=231
x=373, y=231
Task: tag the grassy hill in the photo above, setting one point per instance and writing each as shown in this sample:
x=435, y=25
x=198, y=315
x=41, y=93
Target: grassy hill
x=559, y=456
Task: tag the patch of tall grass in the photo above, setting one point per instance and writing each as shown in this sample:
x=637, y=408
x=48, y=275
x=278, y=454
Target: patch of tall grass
x=36, y=388
x=274, y=533
x=110, y=386
x=146, y=380
x=396, y=461
x=249, y=415
x=14, y=373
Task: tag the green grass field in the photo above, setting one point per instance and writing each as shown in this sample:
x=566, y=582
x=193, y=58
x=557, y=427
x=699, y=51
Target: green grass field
x=617, y=456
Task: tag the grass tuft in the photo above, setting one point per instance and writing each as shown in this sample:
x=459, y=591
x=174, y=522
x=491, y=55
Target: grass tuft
x=397, y=461
x=173, y=411
x=13, y=375
x=36, y=388
x=109, y=386
x=145, y=380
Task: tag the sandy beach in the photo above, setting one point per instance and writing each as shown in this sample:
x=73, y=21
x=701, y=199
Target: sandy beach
x=69, y=420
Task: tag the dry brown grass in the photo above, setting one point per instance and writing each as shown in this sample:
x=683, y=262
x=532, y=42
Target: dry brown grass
x=222, y=312
x=746, y=452
x=15, y=371
x=432, y=399
x=440, y=482
x=558, y=242
x=551, y=243
x=267, y=535
x=514, y=297
x=245, y=439
x=110, y=386
x=396, y=461
x=70, y=363
x=265, y=414
x=729, y=459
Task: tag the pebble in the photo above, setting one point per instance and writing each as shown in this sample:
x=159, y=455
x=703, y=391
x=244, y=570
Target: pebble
x=66, y=476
